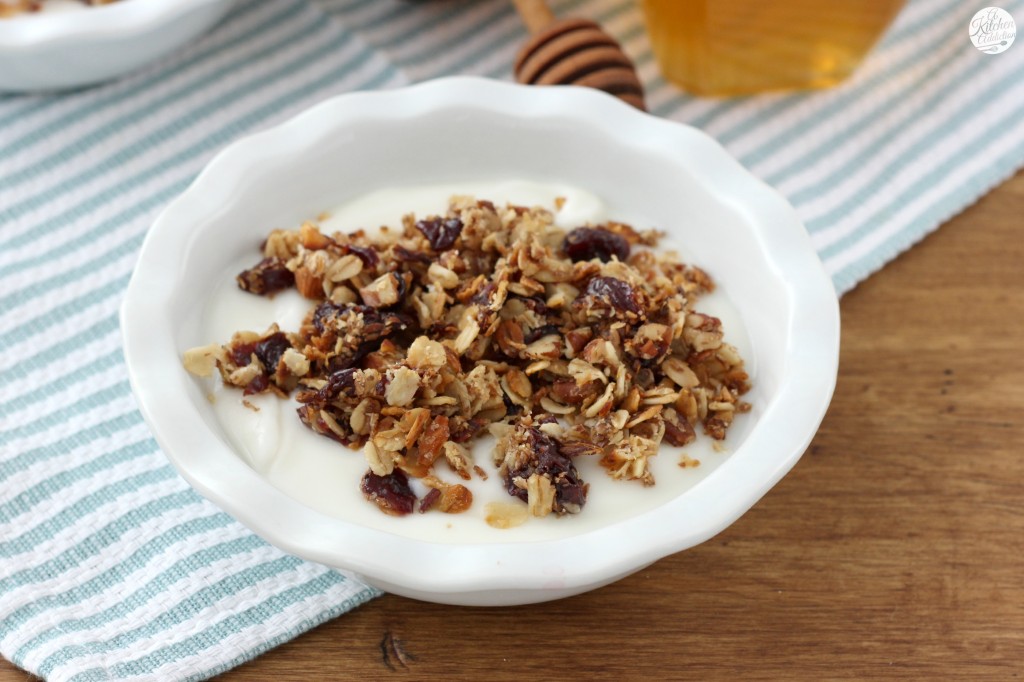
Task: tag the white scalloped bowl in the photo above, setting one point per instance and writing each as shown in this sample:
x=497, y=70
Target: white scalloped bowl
x=74, y=48
x=448, y=130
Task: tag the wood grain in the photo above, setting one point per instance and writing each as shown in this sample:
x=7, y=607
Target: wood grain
x=535, y=14
x=895, y=548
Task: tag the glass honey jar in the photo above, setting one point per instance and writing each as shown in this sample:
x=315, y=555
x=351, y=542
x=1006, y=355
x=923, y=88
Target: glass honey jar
x=739, y=47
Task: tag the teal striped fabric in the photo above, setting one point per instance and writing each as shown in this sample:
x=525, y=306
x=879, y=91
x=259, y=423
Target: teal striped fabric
x=111, y=567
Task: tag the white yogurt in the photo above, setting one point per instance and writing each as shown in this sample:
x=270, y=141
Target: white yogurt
x=325, y=475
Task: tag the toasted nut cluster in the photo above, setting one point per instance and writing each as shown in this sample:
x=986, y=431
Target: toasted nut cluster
x=419, y=340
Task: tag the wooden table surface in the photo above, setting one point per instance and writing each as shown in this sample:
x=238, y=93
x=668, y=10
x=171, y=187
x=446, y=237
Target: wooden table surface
x=894, y=549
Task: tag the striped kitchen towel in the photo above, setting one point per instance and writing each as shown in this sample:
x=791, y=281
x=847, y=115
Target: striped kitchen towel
x=111, y=567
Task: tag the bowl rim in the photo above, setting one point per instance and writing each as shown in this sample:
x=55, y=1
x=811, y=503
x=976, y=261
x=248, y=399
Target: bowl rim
x=100, y=23
x=812, y=358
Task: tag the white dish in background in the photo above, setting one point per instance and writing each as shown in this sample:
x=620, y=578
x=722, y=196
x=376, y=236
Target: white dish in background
x=648, y=170
x=77, y=46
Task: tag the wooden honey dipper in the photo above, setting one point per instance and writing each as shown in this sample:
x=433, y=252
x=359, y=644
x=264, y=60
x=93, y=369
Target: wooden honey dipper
x=573, y=52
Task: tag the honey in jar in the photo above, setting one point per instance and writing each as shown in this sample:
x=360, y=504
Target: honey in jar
x=737, y=47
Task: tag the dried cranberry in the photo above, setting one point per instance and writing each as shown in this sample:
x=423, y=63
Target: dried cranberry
x=441, y=330
x=511, y=409
x=405, y=255
x=467, y=431
x=266, y=277
x=618, y=294
x=241, y=354
x=270, y=350
x=329, y=315
x=586, y=243
x=366, y=254
x=545, y=447
x=258, y=384
x=324, y=313
x=548, y=460
x=277, y=279
x=390, y=493
x=349, y=360
x=376, y=323
x=535, y=303
x=402, y=287
x=483, y=297
x=441, y=233
x=342, y=381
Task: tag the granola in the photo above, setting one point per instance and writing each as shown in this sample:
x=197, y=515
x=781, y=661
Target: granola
x=489, y=320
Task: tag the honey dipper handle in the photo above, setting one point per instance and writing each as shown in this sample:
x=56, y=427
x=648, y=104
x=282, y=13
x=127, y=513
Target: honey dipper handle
x=535, y=14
